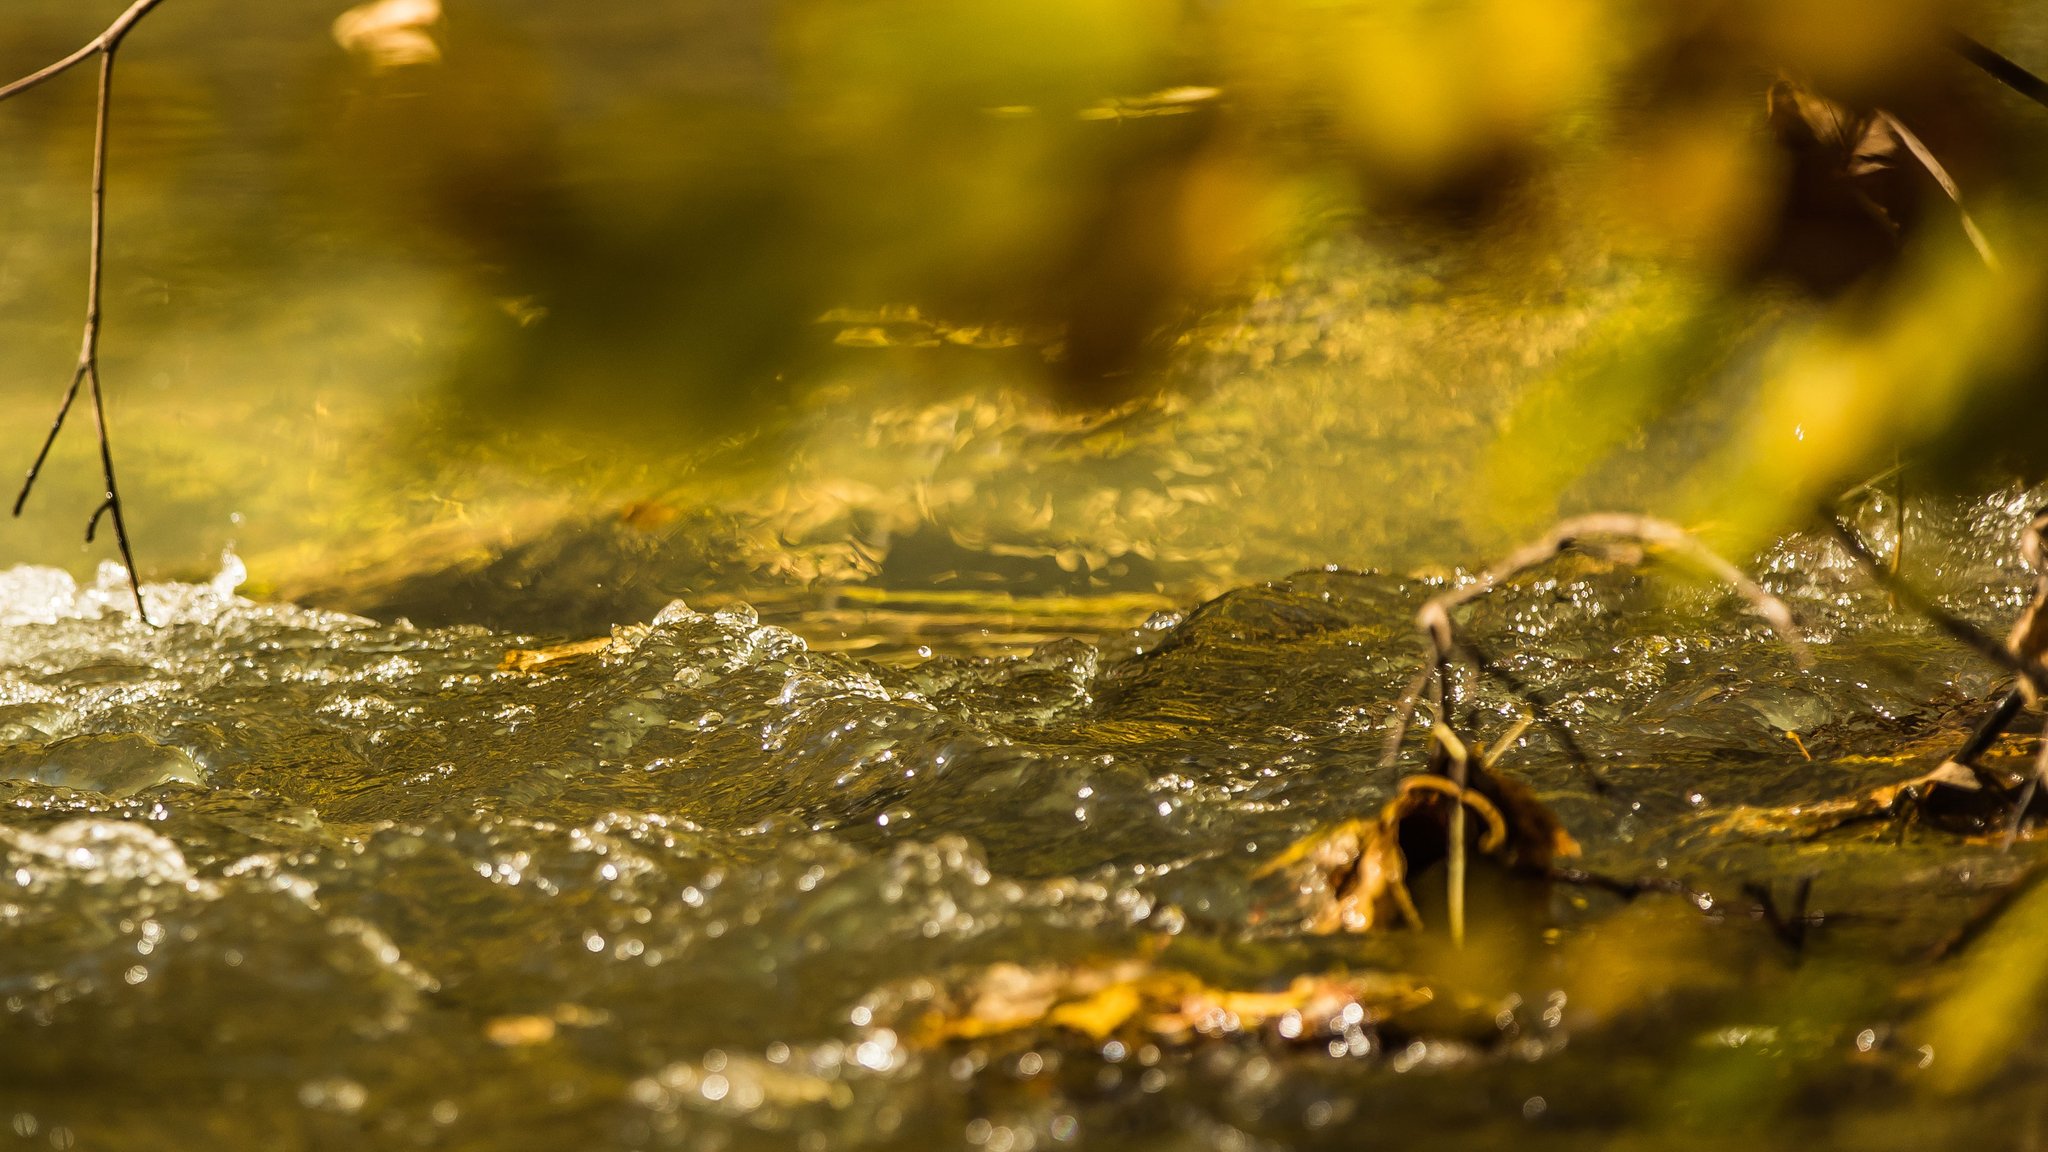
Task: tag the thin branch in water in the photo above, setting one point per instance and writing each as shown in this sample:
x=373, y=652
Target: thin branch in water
x=1540, y=710
x=1999, y=68
x=92, y=526
x=1989, y=729
x=36, y=468
x=1790, y=929
x=106, y=41
x=1870, y=485
x=2029, y=636
x=1434, y=619
x=1896, y=474
x=2020, y=654
x=1435, y=622
x=104, y=46
x=1898, y=556
x=2027, y=666
x=1404, y=713
x=1456, y=763
x=1500, y=747
x=2019, y=806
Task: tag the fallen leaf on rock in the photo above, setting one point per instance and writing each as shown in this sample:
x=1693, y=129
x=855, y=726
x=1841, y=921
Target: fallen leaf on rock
x=1948, y=781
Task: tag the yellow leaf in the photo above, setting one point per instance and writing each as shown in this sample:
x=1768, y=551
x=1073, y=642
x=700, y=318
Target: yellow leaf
x=1100, y=1014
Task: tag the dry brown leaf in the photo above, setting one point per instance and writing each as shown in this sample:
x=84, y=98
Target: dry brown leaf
x=1099, y=1000
x=1353, y=877
x=1319, y=1001
x=1537, y=839
x=1100, y=1014
x=1857, y=143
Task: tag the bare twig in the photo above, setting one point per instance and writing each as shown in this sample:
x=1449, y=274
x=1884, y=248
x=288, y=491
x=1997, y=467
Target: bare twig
x=1507, y=741
x=1449, y=755
x=1404, y=711
x=1435, y=622
x=2028, y=639
x=2020, y=654
x=1871, y=485
x=2019, y=806
x=2026, y=665
x=106, y=41
x=1540, y=710
x=2000, y=68
x=1989, y=728
x=2029, y=636
x=1898, y=556
x=88, y=368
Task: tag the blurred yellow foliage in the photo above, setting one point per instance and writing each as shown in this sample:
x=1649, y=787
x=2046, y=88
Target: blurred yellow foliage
x=1975, y=1029
x=1852, y=388
x=648, y=211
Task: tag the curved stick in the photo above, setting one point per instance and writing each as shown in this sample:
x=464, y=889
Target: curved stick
x=1999, y=68
x=88, y=368
x=106, y=41
x=1435, y=622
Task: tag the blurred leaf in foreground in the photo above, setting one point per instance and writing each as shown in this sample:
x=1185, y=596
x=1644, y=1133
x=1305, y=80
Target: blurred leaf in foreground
x=391, y=33
x=1098, y=1000
x=1975, y=1029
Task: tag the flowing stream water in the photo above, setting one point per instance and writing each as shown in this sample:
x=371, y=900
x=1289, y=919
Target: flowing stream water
x=903, y=702
x=272, y=876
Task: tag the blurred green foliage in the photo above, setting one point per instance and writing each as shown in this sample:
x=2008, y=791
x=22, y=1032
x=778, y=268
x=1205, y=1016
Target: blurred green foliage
x=646, y=212
x=663, y=237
